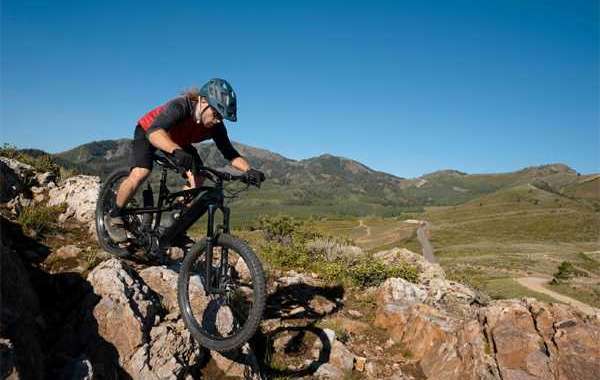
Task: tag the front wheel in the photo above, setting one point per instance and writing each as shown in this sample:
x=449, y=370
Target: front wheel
x=225, y=320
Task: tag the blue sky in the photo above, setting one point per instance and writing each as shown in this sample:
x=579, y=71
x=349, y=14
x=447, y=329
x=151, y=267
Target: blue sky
x=404, y=87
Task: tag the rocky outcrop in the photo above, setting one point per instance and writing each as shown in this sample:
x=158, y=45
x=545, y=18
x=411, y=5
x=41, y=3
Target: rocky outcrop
x=150, y=342
x=79, y=193
x=21, y=185
x=123, y=321
x=445, y=347
x=138, y=314
x=536, y=340
x=14, y=178
x=511, y=339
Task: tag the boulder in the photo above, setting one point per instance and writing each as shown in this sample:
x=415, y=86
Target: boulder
x=80, y=193
x=129, y=315
x=127, y=308
x=399, y=291
x=241, y=364
x=535, y=340
x=328, y=372
x=163, y=281
x=68, y=251
x=444, y=346
x=44, y=179
x=11, y=183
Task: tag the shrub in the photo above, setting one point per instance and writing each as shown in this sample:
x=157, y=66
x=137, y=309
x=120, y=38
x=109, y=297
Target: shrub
x=278, y=228
x=286, y=256
x=291, y=244
x=40, y=219
x=372, y=272
x=567, y=270
x=332, y=248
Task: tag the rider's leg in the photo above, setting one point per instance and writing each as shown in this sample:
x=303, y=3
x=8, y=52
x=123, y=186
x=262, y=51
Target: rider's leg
x=115, y=226
x=140, y=161
x=129, y=186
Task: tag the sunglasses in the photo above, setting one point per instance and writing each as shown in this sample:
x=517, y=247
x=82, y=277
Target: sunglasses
x=216, y=113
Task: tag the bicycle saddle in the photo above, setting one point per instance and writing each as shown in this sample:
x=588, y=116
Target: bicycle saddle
x=162, y=159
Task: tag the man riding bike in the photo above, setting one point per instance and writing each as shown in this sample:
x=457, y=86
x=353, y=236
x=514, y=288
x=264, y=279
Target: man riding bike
x=195, y=116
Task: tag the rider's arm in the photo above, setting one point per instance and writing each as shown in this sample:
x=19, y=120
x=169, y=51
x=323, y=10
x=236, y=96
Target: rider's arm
x=160, y=139
x=226, y=148
x=173, y=112
x=240, y=163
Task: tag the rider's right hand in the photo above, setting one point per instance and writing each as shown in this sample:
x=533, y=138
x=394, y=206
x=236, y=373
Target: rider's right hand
x=183, y=159
x=255, y=177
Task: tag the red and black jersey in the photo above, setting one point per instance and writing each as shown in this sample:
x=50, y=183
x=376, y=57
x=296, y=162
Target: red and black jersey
x=176, y=117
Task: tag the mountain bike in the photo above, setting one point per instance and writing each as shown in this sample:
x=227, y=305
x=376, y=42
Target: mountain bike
x=223, y=268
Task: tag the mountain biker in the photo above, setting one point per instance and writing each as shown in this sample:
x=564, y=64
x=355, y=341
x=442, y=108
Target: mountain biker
x=195, y=116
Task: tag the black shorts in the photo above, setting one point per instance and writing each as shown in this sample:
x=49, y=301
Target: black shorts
x=142, y=151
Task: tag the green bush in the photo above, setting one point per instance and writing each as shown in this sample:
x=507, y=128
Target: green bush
x=40, y=219
x=279, y=228
x=9, y=151
x=567, y=270
x=290, y=255
x=372, y=272
x=290, y=244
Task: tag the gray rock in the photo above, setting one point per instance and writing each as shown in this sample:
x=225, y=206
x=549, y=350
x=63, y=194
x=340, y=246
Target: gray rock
x=46, y=178
x=80, y=193
x=129, y=317
x=68, y=251
x=329, y=372
x=240, y=364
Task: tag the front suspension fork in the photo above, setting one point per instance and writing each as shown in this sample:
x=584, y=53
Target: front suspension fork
x=220, y=276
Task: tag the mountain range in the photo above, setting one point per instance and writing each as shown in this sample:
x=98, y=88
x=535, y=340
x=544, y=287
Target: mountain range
x=329, y=184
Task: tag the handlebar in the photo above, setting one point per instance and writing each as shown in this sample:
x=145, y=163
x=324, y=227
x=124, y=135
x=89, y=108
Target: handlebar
x=224, y=176
x=166, y=159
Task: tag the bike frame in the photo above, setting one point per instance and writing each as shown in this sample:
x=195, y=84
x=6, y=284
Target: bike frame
x=205, y=199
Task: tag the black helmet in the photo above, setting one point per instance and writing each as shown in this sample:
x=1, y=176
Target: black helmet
x=221, y=97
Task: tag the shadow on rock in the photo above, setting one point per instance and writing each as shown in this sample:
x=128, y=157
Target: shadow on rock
x=12, y=237
x=296, y=343
x=299, y=301
x=41, y=316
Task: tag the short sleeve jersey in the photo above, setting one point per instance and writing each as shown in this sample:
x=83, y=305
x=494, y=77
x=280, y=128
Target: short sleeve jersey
x=176, y=117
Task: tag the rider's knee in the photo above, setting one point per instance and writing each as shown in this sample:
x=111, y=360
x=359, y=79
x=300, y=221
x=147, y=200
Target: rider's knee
x=138, y=175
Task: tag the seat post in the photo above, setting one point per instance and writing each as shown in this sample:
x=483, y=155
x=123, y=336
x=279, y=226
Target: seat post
x=162, y=193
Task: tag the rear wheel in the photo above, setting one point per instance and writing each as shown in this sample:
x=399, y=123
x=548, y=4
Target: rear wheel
x=106, y=201
x=222, y=322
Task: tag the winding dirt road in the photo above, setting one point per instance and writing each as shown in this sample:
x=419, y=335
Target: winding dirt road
x=537, y=285
x=425, y=244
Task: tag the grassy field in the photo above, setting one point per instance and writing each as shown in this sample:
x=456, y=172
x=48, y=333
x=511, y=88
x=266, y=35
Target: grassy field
x=371, y=234
x=512, y=233
x=487, y=242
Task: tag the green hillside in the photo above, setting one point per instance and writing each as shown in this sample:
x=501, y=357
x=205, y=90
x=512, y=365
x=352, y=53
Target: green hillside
x=514, y=232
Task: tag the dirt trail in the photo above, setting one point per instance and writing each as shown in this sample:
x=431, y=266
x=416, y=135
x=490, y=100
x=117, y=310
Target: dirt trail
x=537, y=284
x=427, y=247
x=362, y=224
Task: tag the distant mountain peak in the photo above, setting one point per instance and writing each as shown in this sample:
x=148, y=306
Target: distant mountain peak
x=445, y=172
x=548, y=169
